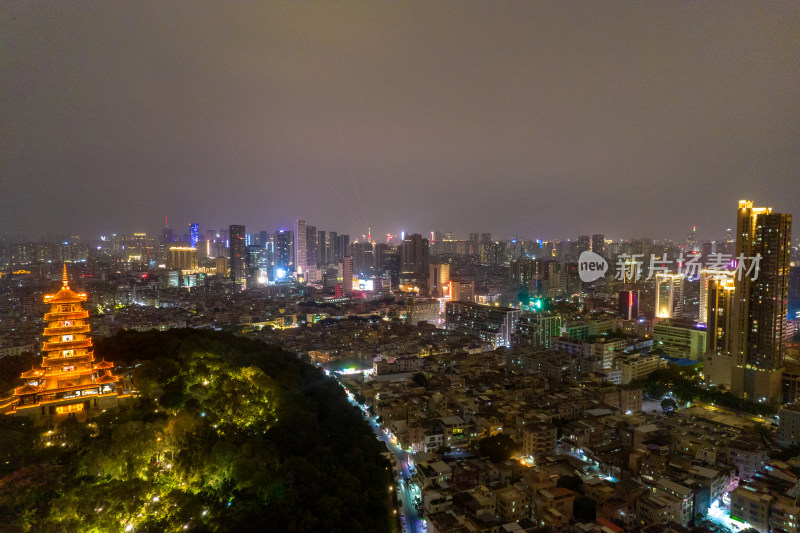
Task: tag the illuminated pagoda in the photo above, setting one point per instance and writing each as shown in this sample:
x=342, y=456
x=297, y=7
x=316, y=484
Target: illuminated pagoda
x=70, y=383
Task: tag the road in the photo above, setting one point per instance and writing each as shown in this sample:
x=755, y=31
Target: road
x=408, y=491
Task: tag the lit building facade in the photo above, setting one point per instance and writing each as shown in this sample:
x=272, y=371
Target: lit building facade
x=760, y=306
x=182, y=258
x=669, y=295
x=495, y=325
x=300, y=251
x=69, y=383
x=237, y=255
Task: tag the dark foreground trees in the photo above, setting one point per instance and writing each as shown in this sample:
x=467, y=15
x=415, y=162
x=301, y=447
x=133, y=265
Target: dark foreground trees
x=228, y=435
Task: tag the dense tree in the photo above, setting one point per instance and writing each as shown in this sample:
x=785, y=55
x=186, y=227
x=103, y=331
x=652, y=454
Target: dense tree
x=669, y=404
x=420, y=379
x=497, y=448
x=584, y=509
x=228, y=434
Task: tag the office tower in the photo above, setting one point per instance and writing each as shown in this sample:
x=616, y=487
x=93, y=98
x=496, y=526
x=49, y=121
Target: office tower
x=312, y=251
x=473, y=237
x=70, y=384
x=414, y=255
x=719, y=297
x=263, y=238
x=237, y=254
x=486, y=237
x=583, y=245
x=758, y=322
x=363, y=258
x=167, y=235
x=182, y=258
x=194, y=234
x=691, y=239
x=669, y=295
x=256, y=265
x=322, y=255
x=599, y=244
x=628, y=307
x=300, y=263
x=707, y=276
x=283, y=261
x=439, y=280
x=346, y=273
x=330, y=247
x=342, y=247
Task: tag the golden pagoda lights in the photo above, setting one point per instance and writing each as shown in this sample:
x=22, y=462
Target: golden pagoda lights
x=70, y=383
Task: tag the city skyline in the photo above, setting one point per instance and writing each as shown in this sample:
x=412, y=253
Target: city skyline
x=561, y=118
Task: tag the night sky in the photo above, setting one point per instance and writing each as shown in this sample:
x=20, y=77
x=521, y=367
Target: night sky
x=532, y=119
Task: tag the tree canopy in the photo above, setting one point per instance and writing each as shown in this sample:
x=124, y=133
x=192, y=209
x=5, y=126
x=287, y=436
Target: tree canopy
x=228, y=434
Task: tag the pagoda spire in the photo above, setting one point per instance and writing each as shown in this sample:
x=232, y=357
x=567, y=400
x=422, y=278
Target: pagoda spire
x=65, y=277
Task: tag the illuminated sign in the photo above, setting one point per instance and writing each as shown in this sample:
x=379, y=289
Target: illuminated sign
x=71, y=408
x=364, y=284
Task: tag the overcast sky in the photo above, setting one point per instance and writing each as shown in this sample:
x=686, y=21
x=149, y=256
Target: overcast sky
x=533, y=119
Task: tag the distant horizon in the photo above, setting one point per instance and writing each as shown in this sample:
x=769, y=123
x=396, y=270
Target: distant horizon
x=182, y=230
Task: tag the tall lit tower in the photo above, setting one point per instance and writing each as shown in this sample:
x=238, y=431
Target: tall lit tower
x=758, y=315
x=194, y=234
x=70, y=383
x=237, y=255
x=669, y=295
x=300, y=263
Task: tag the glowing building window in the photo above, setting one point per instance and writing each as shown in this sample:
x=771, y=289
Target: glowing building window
x=69, y=368
x=71, y=408
x=67, y=353
x=66, y=323
x=66, y=338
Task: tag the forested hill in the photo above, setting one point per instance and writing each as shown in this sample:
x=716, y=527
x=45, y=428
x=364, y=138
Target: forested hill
x=229, y=435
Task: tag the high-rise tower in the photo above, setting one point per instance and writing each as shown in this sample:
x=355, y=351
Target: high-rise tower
x=300, y=263
x=237, y=255
x=759, y=307
x=70, y=383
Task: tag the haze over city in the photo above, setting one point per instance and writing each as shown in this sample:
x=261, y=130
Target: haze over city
x=542, y=120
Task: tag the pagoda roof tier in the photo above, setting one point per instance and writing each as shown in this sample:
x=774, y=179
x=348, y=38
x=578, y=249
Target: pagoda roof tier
x=72, y=315
x=65, y=296
x=106, y=379
x=32, y=373
x=66, y=345
x=65, y=330
x=102, y=365
x=57, y=361
x=27, y=389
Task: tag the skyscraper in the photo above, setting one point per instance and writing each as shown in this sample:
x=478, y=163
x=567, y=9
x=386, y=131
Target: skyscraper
x=312, y=252
x=346, y=273
x=300, y=263
x=194, y=234
x=628, y=307
x=669, y=295
x=283, y=254
x=584, y=243
x=439, y=280
x=237, y=254
x=759, y=308
x=598, y=243
x=414, y=255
